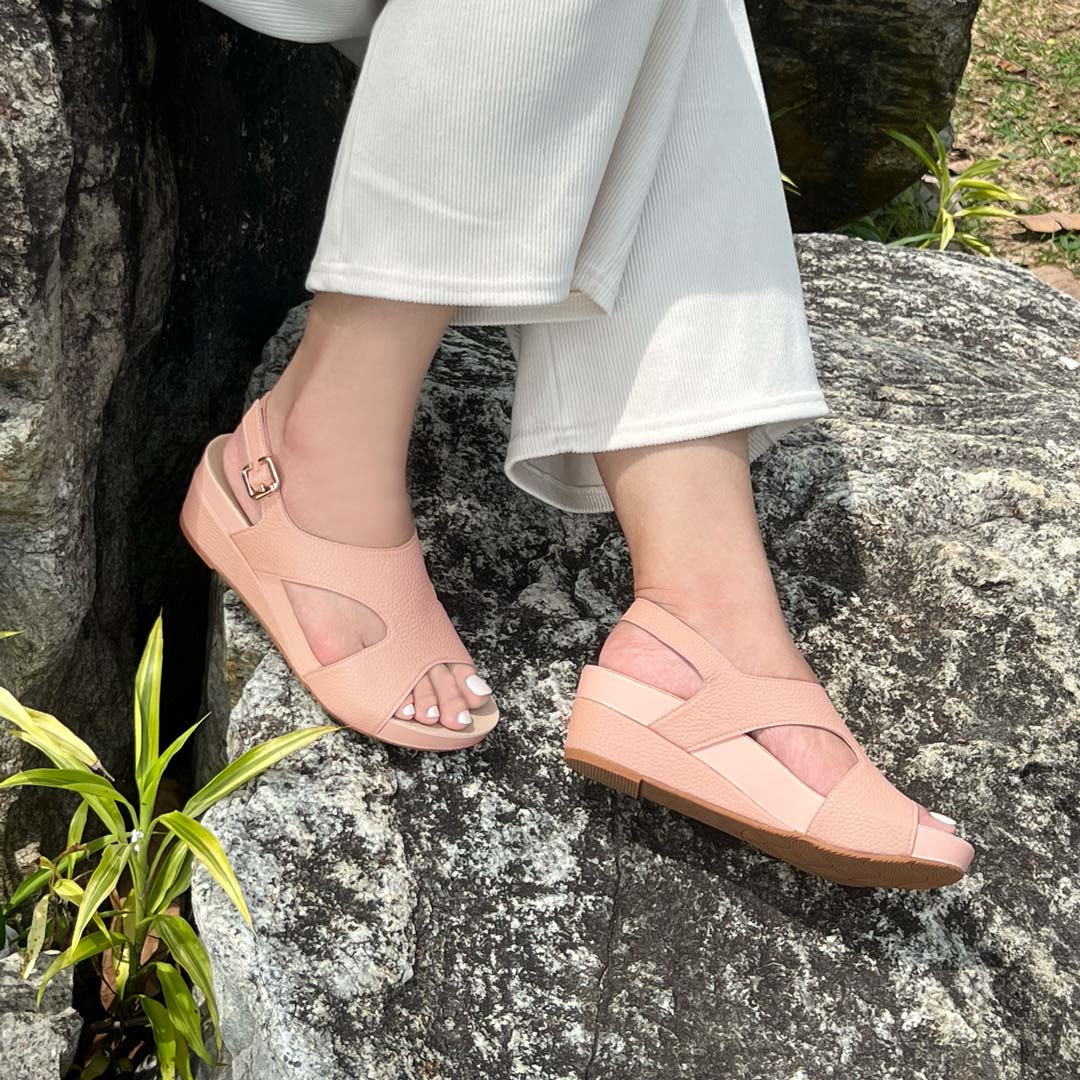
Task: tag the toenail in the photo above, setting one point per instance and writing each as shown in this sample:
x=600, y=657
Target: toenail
x=478, y=686
x=464, y=718
x=943, y=818
x=433, y=712
x=409, y=710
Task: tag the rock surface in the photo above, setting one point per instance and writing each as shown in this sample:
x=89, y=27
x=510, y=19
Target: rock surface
x=110, y=141
x=836, y=74
x=490, y=914
x=38, y=1041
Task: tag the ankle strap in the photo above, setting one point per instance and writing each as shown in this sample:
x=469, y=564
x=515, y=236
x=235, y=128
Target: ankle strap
x=257, y=450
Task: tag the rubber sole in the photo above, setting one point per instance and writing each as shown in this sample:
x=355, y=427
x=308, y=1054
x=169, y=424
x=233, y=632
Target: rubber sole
x=852, y=868
x=410, y=734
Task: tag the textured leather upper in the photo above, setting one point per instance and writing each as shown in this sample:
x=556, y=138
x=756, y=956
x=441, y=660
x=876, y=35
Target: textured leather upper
x=362, y=690
x=862, y=811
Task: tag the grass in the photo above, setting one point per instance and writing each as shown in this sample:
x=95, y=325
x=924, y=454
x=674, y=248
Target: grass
x=1019, y=102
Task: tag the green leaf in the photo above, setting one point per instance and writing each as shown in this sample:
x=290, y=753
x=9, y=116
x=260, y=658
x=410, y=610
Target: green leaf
x=78, y=824
x=35, y=939
x=183, y=1011
x=250, y=764
x=103, y=797
x=188, y=951
x=101, y=884
x=914, y=147
x=205, y=847
x=164, y=1036
x=91, y=945
x=183, y=1058
x=147, y=704
x=98, y=791
x=69, y=890
x=162, y=763
x=947, y=233
x=32, y=883
x=171, y=878
x=97, y=1066
x=67, y=780
x=43, y=730
x=985, y=211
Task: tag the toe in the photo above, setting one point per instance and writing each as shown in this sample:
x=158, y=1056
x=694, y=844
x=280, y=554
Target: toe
x=426, y=701
x=470, y=686
x=936, y=820
x=453, y=712
x=407, y=710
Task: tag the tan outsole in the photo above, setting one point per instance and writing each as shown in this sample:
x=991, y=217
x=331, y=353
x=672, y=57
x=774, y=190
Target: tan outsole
x=853, y=868
x=484, y=719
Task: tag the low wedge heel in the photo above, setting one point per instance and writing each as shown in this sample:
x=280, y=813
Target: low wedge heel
x=361, y=691
x=696, y=757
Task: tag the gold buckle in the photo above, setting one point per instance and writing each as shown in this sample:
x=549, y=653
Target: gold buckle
x=263, y=489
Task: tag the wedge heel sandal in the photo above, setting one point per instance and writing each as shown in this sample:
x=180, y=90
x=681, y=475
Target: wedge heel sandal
x=696, y=757
x=361, y=691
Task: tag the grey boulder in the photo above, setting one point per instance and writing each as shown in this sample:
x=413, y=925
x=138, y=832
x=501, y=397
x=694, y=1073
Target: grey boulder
x=490, y=914
x=37, y=1041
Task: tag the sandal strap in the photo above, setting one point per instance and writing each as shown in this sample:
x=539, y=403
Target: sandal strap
x=864, y=811
x=368, y=686
x=731, y=702
x=260, y=472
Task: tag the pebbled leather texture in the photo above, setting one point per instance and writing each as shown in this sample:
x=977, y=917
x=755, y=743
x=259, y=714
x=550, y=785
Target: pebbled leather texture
x=362, y=690
x=862, y=812
x=731, y=702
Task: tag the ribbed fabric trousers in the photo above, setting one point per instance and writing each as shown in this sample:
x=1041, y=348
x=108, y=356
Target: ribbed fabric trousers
x=600, y=178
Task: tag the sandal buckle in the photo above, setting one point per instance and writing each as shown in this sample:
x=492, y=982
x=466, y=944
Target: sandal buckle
x=262, y=490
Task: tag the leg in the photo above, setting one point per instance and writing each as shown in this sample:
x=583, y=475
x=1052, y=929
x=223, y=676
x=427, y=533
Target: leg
x=341, y=416
x=688, y=513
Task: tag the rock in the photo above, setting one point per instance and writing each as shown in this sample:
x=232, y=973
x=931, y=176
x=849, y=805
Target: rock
x=126, y=342
x=836, y=74
x=38, y=1040
x=490, y=914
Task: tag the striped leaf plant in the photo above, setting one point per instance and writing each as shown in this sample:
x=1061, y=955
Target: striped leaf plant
x=113, y=898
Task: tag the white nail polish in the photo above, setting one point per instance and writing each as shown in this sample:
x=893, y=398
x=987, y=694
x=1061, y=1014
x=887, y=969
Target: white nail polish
x=464, y=718
x=433, y=712
x=943, y=818
x=478, y=686
x=409, y=710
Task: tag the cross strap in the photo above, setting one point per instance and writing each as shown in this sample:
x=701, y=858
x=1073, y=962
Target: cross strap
x=731, y=702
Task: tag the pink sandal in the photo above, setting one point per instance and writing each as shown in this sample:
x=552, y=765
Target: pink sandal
x=361, y=691
x=696, y=757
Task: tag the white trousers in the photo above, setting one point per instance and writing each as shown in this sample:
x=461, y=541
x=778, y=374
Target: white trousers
x=599, y=177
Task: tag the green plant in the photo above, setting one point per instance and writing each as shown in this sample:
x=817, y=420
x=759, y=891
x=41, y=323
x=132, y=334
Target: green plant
x=962, y=198
x=114, y=897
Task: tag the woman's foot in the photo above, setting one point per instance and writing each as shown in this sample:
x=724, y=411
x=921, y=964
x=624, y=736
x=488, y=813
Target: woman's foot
x=339, y=421
x=817, y=757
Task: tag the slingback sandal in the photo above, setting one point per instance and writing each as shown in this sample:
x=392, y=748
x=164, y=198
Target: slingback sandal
x=696, y=756
x=363, y=690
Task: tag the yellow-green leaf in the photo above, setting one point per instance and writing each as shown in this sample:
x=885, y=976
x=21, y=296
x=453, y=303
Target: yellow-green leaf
x=91, y=945
x=35, y=938
x=69, y=890
x=147, y=703
x=183, y=1011
x=78, y=824
x=101, y=884
x=250, y=764
x=164, y=1036
x=205, y=847
x=188, y=951
x=171, y=877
